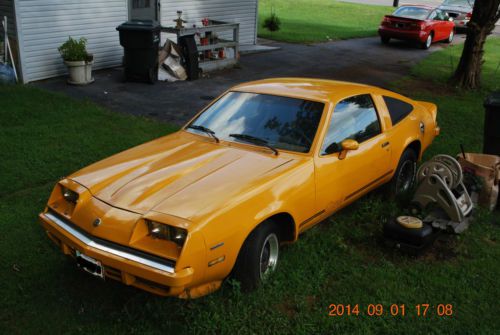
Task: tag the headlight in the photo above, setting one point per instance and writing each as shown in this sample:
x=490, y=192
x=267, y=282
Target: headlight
x=166, y=232
x=69, y=195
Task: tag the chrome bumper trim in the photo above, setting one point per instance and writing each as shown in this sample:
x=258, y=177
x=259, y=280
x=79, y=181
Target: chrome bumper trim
x=93, y=244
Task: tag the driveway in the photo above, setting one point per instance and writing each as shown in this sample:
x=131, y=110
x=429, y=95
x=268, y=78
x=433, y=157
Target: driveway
x=363, y=60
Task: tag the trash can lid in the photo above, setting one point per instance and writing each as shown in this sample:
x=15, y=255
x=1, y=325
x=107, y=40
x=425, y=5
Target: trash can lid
x=493, y=100
x=143, y=25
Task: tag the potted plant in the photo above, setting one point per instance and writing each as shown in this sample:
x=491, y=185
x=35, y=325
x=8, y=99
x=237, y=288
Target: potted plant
x=78, y=61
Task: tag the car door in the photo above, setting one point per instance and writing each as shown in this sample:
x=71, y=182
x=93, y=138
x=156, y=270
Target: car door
x=432, y=25
x=340, y=180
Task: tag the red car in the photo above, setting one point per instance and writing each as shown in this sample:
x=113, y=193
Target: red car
x=421, y=24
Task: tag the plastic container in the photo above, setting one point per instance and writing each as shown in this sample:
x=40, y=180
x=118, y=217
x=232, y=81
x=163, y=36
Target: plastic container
x=141, y=40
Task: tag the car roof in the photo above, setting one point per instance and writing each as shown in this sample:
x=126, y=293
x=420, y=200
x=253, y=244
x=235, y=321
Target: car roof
x=306, y=88
x=420, y=6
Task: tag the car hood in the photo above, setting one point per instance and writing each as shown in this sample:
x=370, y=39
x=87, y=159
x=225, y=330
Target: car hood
x=180, y=174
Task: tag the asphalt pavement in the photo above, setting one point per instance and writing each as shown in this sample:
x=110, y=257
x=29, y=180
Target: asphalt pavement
x=363, y=60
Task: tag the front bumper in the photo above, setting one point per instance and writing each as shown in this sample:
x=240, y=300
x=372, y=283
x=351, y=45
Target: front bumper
x=408, y=35
x=141, y=270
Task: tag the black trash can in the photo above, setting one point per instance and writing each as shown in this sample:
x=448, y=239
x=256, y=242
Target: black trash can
x=141, y=40
x=491, y=144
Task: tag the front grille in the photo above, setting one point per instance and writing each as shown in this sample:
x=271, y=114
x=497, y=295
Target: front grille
x=113, y=245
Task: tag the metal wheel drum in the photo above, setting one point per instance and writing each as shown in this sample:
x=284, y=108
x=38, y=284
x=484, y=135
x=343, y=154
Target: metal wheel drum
x=269, y=255
x=437, y=168
x=454, y=166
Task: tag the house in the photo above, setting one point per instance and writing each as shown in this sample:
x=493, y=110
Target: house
x=38, y=27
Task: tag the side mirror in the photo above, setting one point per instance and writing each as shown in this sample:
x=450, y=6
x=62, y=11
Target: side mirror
x=348, y=145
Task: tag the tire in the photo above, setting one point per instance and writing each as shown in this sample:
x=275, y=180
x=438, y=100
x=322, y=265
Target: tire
x=428, y=42
x=258, y=257
x=385, y=39
x=450, y=37
x=404, y=177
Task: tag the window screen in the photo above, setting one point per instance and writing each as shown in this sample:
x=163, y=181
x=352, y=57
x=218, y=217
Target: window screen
x=397, y=109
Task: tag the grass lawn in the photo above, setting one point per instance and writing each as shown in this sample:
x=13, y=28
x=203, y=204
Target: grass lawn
x=341, y=261
x=305, y=21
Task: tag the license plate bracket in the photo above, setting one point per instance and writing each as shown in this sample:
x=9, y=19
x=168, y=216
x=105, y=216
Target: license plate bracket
x=89, y=264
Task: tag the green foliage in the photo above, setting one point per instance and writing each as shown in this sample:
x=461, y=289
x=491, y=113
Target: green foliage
x=306, y=21
x=75, y=50
x=272, y=23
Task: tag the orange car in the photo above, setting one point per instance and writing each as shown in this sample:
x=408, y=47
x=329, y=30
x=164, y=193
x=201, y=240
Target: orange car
x=260, y=165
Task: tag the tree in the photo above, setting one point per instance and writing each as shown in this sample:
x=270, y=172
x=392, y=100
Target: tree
x=484, y=16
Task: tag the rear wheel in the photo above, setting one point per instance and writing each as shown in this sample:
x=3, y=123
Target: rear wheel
x=428, y=42
x=404, y=177
x=385, y=39
x=258, y=257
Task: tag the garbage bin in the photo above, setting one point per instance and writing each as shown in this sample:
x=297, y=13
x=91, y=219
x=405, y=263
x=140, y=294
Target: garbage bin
x=491, y=144
x=140, y=39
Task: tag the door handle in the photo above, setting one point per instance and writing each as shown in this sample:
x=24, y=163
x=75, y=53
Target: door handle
x=385, y=144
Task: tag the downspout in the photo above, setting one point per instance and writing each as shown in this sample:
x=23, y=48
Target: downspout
x=20, y=44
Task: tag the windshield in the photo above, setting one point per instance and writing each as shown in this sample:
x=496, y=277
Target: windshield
x=461, y=3
x=283, y=123
x=417, y=13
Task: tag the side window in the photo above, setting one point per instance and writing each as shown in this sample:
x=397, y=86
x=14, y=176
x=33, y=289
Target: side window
x=397, y=109
x=353, y=118
x=433, y=16
x=440, y=15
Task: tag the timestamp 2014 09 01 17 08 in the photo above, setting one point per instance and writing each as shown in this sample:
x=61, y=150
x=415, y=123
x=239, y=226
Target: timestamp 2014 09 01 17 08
x=379, y=310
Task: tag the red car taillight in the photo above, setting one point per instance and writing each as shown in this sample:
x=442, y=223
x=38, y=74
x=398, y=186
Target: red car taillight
x=468, y=15
x=417, y=26
x=385, y=21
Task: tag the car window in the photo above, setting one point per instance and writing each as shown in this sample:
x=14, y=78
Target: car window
x=410, y=12
x=397, y=109
x=282, y=122
x=440, y=15
x=353, y=118
x=433, y=16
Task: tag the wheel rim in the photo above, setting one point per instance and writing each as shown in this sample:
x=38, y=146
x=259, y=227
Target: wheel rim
x=269, y=255
x=429, y=41
x=406, y=177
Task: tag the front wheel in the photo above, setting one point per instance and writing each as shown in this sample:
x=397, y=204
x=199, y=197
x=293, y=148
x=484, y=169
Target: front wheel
x=385, y=39
x=450, y=37
x=404, y=177
x=258, y=257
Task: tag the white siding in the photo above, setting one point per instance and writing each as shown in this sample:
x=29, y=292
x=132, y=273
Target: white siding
x=241, y=11
x=43, y=25
x=7, y=9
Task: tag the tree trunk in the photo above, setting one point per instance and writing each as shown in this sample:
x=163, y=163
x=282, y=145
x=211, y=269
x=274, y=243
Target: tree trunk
x=484, y=17
x=468, y=72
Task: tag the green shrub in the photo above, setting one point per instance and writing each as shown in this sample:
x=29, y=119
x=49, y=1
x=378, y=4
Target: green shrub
x=75, y=50
x=272, y=23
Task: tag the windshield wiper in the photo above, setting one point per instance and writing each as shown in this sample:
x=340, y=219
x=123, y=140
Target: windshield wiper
x=255, y=140
x=205, y=130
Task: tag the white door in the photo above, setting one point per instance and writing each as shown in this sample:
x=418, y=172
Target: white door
x=143, y=9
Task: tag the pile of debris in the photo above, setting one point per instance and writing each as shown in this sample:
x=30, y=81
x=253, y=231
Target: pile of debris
x=170, y=60
x=447, y=192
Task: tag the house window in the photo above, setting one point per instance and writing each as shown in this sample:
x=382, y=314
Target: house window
x=141, y=4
